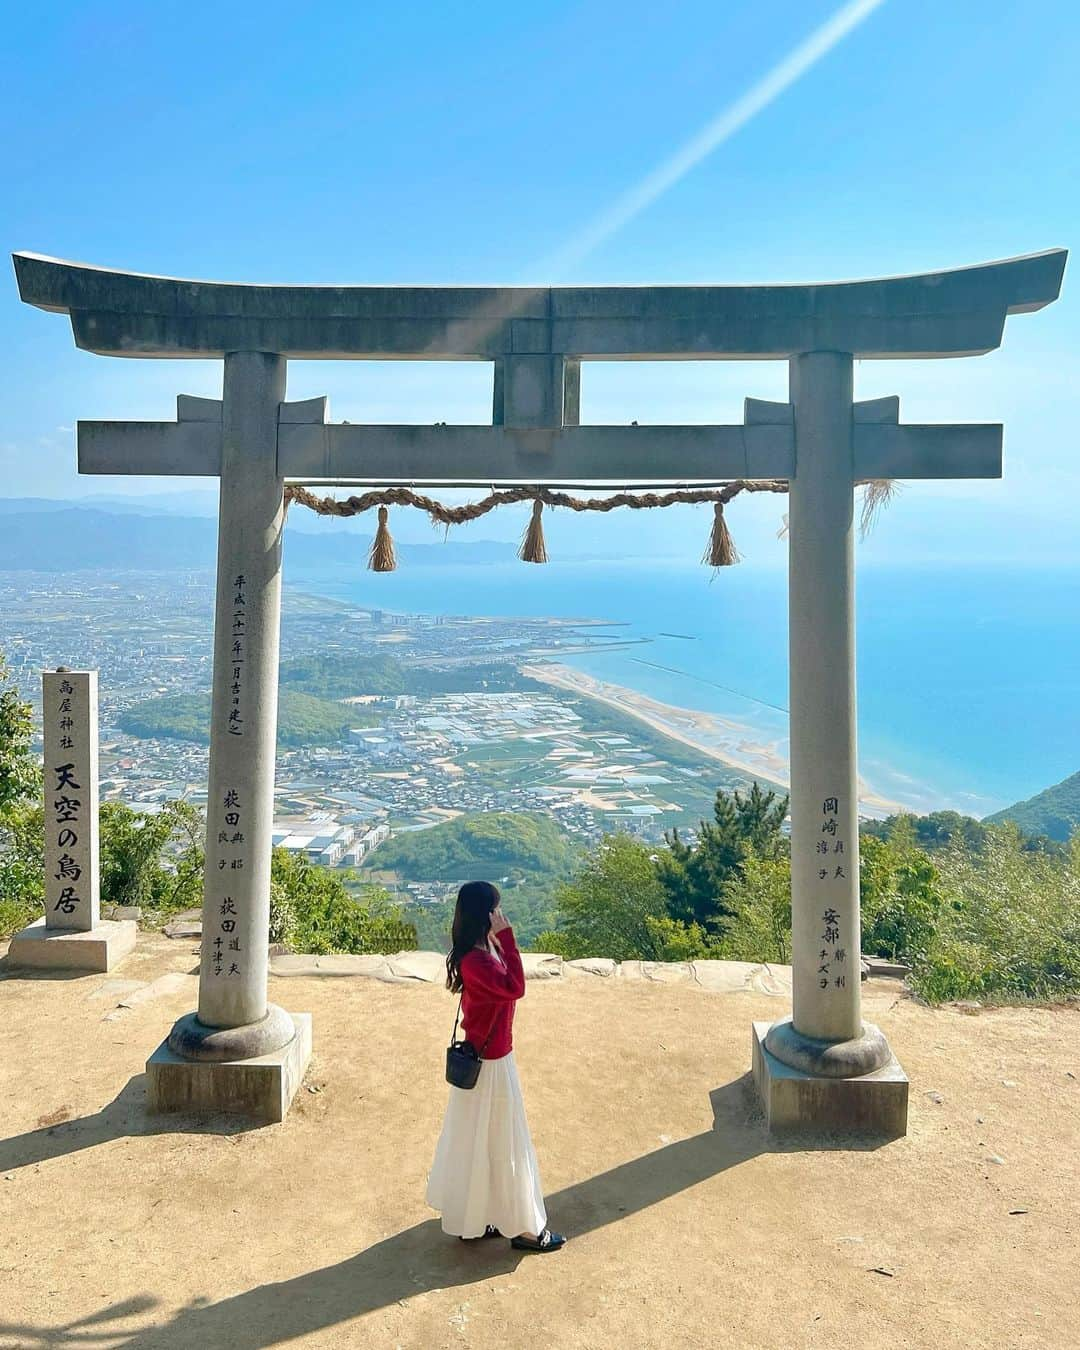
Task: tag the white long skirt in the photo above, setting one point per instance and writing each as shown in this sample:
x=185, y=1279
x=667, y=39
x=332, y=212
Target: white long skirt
x=485, y=1169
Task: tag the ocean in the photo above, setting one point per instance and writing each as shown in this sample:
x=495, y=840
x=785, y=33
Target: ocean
x=969, y=677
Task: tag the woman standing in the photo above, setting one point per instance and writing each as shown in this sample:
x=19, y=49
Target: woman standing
x=485, y=1180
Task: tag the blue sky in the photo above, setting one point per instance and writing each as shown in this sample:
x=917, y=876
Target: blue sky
x=445, y=143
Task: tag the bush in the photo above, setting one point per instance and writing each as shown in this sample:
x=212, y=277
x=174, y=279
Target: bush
x=900, y=897
x=311, y=910
x=150, y=860
x=22, y=827
x=605, y=910
x=757, y=926
x=153, y=860
x=22, y=866
x=986, y=917
x=20, y=776
x=1009, y=925
x=673, y=940
x=283, y=921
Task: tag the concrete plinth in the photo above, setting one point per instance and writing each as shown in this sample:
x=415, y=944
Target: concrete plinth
x=872, y=1104
x=98, y=949
x=261, y=1088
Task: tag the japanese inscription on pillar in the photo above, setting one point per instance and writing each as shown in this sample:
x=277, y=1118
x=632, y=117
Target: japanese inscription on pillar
x=225, y=948
x=832, y=866
x=72, y=873
x=237, y=652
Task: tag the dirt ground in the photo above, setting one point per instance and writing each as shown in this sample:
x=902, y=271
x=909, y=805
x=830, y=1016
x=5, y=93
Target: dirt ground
x=688, y=1225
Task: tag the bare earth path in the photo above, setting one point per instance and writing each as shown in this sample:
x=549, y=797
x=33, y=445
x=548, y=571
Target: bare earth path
x=690, y=1227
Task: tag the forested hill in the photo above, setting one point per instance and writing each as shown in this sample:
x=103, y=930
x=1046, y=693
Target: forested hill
x=302, y=719
x=335, y=675
x=1054, y=812
x=492, y=845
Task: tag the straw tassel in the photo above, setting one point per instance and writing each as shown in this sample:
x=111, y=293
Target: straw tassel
x=877, y=494
x=533, y=549
x=382, y=546
x=721, y=551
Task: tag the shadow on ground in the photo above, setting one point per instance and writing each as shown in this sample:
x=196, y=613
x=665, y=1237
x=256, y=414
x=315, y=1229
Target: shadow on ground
x=415, y=1261
x=42, y=974
x=124, y=1117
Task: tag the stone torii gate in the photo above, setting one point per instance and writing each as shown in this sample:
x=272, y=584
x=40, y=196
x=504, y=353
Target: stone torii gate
x=823, y=1066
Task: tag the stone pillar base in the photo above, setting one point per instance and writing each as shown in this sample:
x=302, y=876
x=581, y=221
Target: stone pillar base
x=261, y=1088
x=98, y=949
x=873, y=1104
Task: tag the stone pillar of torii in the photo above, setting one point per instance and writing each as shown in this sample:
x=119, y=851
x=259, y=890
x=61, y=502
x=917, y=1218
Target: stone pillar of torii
x=823, y=1066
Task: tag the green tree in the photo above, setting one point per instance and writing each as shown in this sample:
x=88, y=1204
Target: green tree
x=332, y=675
x=694, y=877
x=302, y=718
x=673, y=940
x=312, y=910
x=756, y=924
x=154, y=860
x=528, y=904
x=900, y=894
x=1054, y=812
x=1009, y=924
x=22, y=827
x=20, y=775
x=933, y=831
x=605, y=910
x=22, y=865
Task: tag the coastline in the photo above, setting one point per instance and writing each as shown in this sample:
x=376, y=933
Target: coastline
x=902, y=770
x=734, y=744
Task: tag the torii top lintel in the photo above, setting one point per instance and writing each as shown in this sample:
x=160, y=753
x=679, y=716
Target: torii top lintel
x=935, y=314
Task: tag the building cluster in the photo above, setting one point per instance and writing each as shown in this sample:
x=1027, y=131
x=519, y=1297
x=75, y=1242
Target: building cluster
x=428, y=758
x=436, y=757
x=322, y=839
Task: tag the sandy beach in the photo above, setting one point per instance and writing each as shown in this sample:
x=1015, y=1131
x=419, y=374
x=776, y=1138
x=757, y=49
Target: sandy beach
x=730, y=742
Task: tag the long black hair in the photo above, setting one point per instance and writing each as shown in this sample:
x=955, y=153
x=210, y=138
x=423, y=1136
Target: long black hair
x=476, y=902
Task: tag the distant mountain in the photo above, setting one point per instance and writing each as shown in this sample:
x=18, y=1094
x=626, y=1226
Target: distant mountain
x=57, y=537
x=1055, y=811
x=156, y=504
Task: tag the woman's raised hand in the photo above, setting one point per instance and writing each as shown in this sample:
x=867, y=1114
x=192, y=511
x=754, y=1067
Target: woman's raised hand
x=499, y=921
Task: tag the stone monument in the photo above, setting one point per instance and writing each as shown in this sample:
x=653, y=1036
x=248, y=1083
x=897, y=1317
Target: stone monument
x=822, y=1066
x=71, y=935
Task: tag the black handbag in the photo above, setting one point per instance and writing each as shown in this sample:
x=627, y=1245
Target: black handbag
x=463, y=1060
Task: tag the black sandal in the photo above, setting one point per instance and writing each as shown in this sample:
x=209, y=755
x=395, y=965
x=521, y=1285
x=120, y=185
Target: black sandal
x=489, y=1232
x=547, y=1242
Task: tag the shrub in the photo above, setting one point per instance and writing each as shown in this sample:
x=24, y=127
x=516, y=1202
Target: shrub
x=673, y=940
x=22, y=866
x=153, y=860
x=605, y=910
x=20, y=775
x=757, y=925
x=1009, y=925
x=311, y=910
x=900, y=897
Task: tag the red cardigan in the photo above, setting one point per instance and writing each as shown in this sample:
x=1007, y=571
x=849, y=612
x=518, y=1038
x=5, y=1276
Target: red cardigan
x=490, y=991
